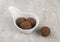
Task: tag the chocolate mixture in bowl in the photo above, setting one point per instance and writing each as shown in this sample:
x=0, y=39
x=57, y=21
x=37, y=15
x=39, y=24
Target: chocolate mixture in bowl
x=25, y=23
x=20, y=20
x=32, y=21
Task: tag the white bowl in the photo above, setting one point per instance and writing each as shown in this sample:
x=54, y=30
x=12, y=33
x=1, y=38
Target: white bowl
x=17, y=14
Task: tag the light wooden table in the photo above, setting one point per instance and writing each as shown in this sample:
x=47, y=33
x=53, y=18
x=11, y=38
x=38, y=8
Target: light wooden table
x=47, y=10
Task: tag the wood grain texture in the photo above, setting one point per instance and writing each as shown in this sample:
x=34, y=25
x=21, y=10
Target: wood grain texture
x=47, y=10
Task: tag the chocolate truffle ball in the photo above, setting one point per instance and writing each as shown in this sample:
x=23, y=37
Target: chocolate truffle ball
x=25, y=25
x=20, y=20
x=45, y=31
x=32, y=21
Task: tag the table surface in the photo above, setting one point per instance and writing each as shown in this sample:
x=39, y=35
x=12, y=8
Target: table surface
x=48, y=12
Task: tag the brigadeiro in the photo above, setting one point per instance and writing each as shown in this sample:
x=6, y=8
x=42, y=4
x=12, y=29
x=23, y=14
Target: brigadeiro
x=32, y=21
x=25, y=25
x=20, y=20
x=45, y=31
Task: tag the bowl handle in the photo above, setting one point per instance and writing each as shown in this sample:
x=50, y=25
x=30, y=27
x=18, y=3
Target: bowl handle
x=14, y=11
